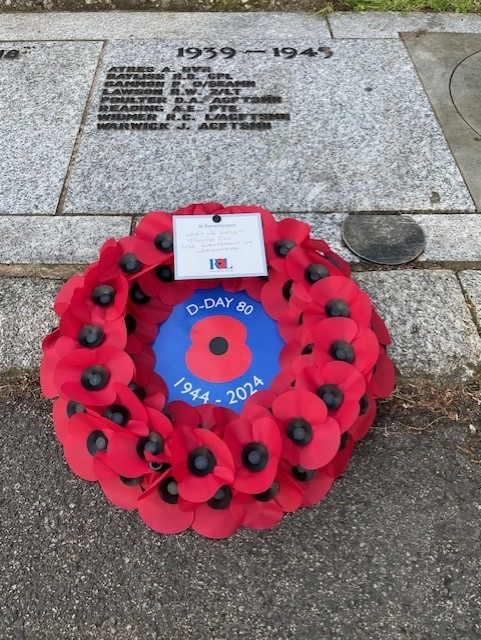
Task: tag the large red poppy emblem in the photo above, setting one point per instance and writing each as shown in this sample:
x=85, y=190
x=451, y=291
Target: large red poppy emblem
x=218, y=352
x=209, y=467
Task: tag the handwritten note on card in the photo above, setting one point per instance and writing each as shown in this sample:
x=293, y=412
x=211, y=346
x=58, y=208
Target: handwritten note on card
x=219, y=246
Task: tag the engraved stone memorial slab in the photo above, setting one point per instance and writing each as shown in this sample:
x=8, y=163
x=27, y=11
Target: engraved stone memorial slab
x=291, y=123
x=449, y=65
x=43, y=89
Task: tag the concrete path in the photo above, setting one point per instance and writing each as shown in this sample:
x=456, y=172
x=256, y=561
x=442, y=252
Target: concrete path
x=393, y=552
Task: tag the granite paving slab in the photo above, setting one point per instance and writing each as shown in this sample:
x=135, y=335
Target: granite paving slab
x=26, y=317
x=304, y=124
x=432, y=330
x=121, y=25
x=58, y=239
x=43, y=88
x=388, y=24
x=449, y=66
x=471, y=283
x=449, y=237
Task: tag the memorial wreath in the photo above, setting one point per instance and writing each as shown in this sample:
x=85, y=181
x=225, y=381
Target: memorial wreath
x=214, y=404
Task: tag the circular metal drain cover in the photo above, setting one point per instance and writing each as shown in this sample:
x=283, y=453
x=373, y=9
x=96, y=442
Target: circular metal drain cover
x=383, y=239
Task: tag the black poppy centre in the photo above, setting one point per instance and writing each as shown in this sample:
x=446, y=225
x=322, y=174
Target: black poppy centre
x=218, y=346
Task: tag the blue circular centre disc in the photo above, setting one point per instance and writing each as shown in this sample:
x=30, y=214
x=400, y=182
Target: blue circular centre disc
x=218, y=348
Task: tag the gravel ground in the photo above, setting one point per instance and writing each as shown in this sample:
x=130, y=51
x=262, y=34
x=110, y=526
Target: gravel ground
x=392, y=552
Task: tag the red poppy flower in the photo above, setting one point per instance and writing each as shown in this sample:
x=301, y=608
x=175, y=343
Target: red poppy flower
x=277, y=296
x=215, y=518
x=218, y=352
x=152, y=239
x=119, y=258
x=163, y=509
x=288, y=234
x=129, y=455
x=58, y=348
x=90, y=376
x=256, y=448
x=215, y=418
x=379, y=327
x=338, y=297
x=309, y=437
x=341, y=339
x=283, y=381
x=98, y=300
x=339, y=385
x=122, y=492
x=301, y=346
x=340, y=461
x=306, y=267
x=144, y=360
x=266, y=509
x=320, y=246
x=50, y=340
x=147, y=308
x=262, y=400
x=288, y=323
x=251, y=285
x=366, y=418
x=64, y=296
x=63, y=410
x=159, y=282
x=201, y=463
x=383, y=379
x=151, y=389
x=85, y=438
x=232, y=285
x=183, y=414
x=90, y=336
x=314, y=484
x=139, y=333
x=126, y=411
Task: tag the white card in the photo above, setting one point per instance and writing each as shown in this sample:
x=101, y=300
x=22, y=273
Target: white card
x=219, y=246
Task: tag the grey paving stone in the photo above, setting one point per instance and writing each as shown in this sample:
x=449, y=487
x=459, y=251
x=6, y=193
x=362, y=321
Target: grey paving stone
x=388, y=24
x=26, y=316
x=471, y=283
x=121, y=25
x=451, y=237
x=361, y=134
x=433, y=334
x=56, y=239
x=449, y=66
x=43, y=94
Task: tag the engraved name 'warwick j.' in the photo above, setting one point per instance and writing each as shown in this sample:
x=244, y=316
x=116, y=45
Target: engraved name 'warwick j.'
x=196, y=97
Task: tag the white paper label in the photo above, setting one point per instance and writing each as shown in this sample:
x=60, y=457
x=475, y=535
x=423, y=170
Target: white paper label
x=219, y=246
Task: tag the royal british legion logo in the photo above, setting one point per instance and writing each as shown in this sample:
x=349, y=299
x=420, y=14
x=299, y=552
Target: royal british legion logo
x=218, y=264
